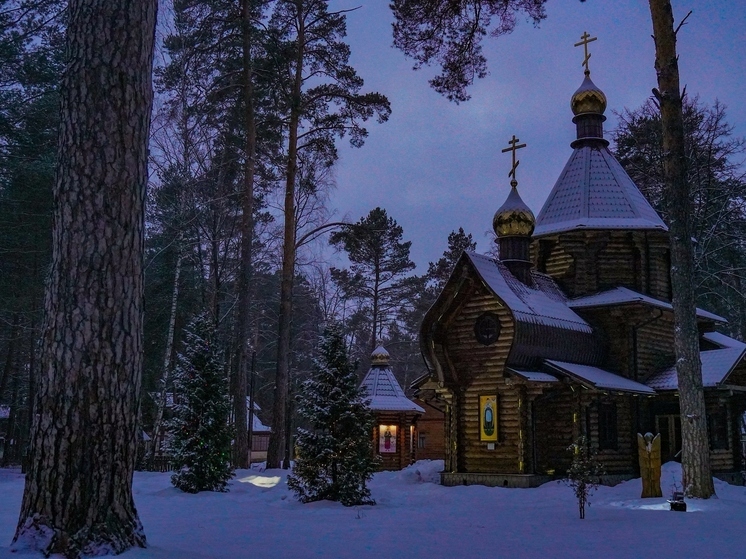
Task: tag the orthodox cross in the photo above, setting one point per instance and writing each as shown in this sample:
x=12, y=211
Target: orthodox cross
x=585, y=40
x=514, y=146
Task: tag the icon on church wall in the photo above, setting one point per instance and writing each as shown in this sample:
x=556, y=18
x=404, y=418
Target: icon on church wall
x=488, y=418
x=387, y=439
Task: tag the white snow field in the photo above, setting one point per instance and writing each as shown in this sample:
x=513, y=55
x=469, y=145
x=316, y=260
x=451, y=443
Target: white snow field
x=417, y=518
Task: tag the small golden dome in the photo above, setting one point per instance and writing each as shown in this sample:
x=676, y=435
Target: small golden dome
x=379, y=357
x=514, y=218
x=588, y=98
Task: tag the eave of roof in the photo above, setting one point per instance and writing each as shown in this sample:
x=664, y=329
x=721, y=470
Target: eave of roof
x=534, y=376
x=717, y=365
x=599, y=379
x=623, y=295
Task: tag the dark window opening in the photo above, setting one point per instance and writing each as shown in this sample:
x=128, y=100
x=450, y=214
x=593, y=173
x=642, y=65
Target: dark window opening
x=421, y=440
x=717, y=424
x=608, y=433
x=487, y=328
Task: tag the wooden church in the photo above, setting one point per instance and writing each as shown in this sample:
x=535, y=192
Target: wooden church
x=570, y=332
x=394, y=434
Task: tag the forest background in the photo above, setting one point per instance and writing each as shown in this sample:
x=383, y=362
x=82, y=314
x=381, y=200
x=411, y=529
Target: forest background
x=196, y=249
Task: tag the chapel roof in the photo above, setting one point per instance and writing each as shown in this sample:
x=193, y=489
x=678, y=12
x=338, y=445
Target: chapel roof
x=622, y=295
x=595, y=192
x=543, y=303
x=717, y=364
x=383, y=390
x=600, y=379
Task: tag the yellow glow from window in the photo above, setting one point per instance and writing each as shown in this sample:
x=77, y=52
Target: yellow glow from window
x=261, y=481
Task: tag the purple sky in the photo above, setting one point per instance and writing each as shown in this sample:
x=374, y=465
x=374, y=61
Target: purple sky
x=436, y=166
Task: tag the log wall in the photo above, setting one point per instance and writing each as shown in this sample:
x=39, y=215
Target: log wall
x=481, y=369
x=584, y=262
x=432, y=426
x=622, y=459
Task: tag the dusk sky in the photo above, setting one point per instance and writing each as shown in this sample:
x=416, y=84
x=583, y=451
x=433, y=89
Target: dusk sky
x=436, y=166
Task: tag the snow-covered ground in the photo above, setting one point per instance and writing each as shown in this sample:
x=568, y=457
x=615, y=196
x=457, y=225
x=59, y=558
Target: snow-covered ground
x=417, y=518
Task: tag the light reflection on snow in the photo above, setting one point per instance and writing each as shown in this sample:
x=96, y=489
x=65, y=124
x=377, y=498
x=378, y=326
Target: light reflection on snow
x=261, y=481
x=637, y=505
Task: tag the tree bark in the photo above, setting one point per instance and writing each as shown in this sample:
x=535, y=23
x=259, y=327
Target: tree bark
x=243, y=354
x=695, y=457
x=8, y=367
x=78, y=494
x=280, y=417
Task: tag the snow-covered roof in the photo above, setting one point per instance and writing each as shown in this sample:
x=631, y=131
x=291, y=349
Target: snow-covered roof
x=722, y=340
x=717, y=364
x=594, y=192
x=543, y=303
x=534, y=376
x=258, y=425
x=623, y=295
x=383, y=390
x=598, y=378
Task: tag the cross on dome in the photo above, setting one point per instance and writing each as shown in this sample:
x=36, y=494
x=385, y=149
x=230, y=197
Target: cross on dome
x=585, y=39
x=514, y=145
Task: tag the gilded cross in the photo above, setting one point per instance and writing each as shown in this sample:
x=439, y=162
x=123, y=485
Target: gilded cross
x=514, y=146
x=585, y=40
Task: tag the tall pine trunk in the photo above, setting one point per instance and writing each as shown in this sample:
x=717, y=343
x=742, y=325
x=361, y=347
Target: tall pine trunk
x=78, y=494
x=695, y=457
x=243, y=354
x=166, y=372
x=280, y=415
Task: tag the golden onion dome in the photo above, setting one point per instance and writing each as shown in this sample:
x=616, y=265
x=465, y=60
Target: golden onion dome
x=379, y=357
x=514, y=218
x=588, y=98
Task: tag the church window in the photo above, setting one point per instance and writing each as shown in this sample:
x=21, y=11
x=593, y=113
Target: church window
x=421, y=440
x=487, y=328
x=608, y=433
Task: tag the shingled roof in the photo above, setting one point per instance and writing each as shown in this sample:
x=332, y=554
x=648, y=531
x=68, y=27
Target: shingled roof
x=717, y=364
x=622, y=295
x=384, y=391
x=594, y=192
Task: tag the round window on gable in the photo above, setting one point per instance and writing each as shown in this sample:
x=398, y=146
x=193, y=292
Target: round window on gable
x=487, y=328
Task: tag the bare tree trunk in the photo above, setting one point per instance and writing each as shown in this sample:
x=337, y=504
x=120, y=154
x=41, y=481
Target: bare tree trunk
x=280, y=418
x=7, y=368
x=695, y=457
x=12, y=440
x=163, y=381
x=78, y=494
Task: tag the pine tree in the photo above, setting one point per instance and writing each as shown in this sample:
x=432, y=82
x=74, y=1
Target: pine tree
x=377, y=277
x=201, y=442
x=335, y=458
x=584, y=472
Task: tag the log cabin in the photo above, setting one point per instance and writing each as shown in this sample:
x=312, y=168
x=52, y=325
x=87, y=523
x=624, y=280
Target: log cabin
x=570, y=332
x=394, y=435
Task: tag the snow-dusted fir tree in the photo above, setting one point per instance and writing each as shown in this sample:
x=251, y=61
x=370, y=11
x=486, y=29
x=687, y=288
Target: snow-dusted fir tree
x=200, y=435
x=335, y=457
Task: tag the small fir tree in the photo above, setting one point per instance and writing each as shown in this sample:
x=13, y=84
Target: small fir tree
x=201, y=437
x=335, y=458
x=584, y=472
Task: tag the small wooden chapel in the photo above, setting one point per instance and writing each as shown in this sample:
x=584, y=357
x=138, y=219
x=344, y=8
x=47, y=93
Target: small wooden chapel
x=570, y=332
x=394, y=435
